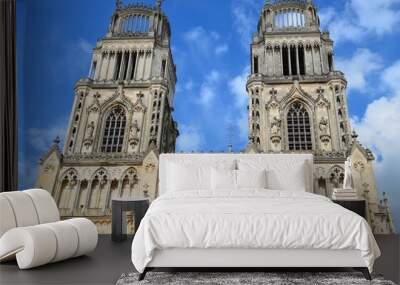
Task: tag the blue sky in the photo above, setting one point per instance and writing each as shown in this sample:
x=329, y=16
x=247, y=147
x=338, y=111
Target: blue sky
x=210, y=42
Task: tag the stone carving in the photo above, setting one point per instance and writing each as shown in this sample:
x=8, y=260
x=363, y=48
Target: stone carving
x=273, y=102
x=275, y=131
x=48, y=167
x=275, y=126
x=139, y=106
x=134, y=133
x=150, y=167
x=146, y=190
x=95, y=107
x=321, y=101
x=77, y=157
x=324, y=131
x=359, y=166
x=132, y=177
x=348, y=176
x=153, y=142
x=71, y=176
x=323, y=125
x=328, y=155
x=73, y=182
x=89, y=134
x=336, y=176
x=347, y=192
x=90, y=130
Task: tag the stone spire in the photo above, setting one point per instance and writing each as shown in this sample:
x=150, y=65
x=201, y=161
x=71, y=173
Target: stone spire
x=118, y=4
x=158, y=4
x=56, y=141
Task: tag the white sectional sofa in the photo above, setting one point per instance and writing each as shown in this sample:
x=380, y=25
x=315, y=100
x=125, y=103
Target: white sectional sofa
x=31, y=230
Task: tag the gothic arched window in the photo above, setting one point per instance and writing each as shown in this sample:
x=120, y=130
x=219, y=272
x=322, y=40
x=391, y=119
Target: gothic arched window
x=114, y=131
x=299, y=129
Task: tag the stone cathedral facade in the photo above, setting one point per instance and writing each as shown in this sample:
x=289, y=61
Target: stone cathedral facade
x=298, y=103
x=120, y=121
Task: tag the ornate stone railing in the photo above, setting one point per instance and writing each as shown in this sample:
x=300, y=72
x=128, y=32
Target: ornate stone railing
x=109, y=157
x=300, y=78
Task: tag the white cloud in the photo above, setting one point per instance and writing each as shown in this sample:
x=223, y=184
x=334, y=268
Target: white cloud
x=246, y=14
x=380, y=126
x=190, y=139
x=85, y=46
x=221, y=49
x=194, y=34
x=363, y=63
x=237, y=87
x=215, y=36
x=243, y=125
x=208, y=88
x=379, y=130
x=27, y=171
x=42, y=139
x=203, y=42
x=353, y=33
x=391, y=77
x=326, y=15
x=360, y=18
x=189, y=85
x=377, y=16
x=74, y=63
x=207, y=94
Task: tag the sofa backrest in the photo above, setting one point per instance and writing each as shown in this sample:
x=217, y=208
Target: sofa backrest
x=26, y=208
x=288, y=169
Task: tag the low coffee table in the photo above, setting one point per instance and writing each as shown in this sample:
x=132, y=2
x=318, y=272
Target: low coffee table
x=119, y=207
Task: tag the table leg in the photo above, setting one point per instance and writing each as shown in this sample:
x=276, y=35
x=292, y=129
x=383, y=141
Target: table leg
x=140, y=212
x=116, y=223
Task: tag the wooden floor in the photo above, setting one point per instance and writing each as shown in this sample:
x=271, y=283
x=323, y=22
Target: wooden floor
x=110, y=260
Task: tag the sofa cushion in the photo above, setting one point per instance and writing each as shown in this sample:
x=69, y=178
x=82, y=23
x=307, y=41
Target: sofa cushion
x=67, y=240
x=32, y=246
x=7, y=220
x=87, y=235
x=41, y=244
x=23, y=208
x=46, y=208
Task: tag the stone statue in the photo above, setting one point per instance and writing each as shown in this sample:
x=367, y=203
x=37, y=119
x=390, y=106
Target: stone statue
x=134, y=130
x=323, y=126
x=348, y=176
x=275, y=126
x=134, y=133
x=90, y=130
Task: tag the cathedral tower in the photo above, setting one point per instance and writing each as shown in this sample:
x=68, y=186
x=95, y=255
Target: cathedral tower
x=298, y=102
x=120, y=121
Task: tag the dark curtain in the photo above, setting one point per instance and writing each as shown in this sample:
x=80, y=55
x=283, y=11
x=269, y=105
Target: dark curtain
x=8, y=98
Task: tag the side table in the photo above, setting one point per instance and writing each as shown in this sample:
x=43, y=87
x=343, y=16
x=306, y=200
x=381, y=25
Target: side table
x=357, y=206
x=119, y=207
